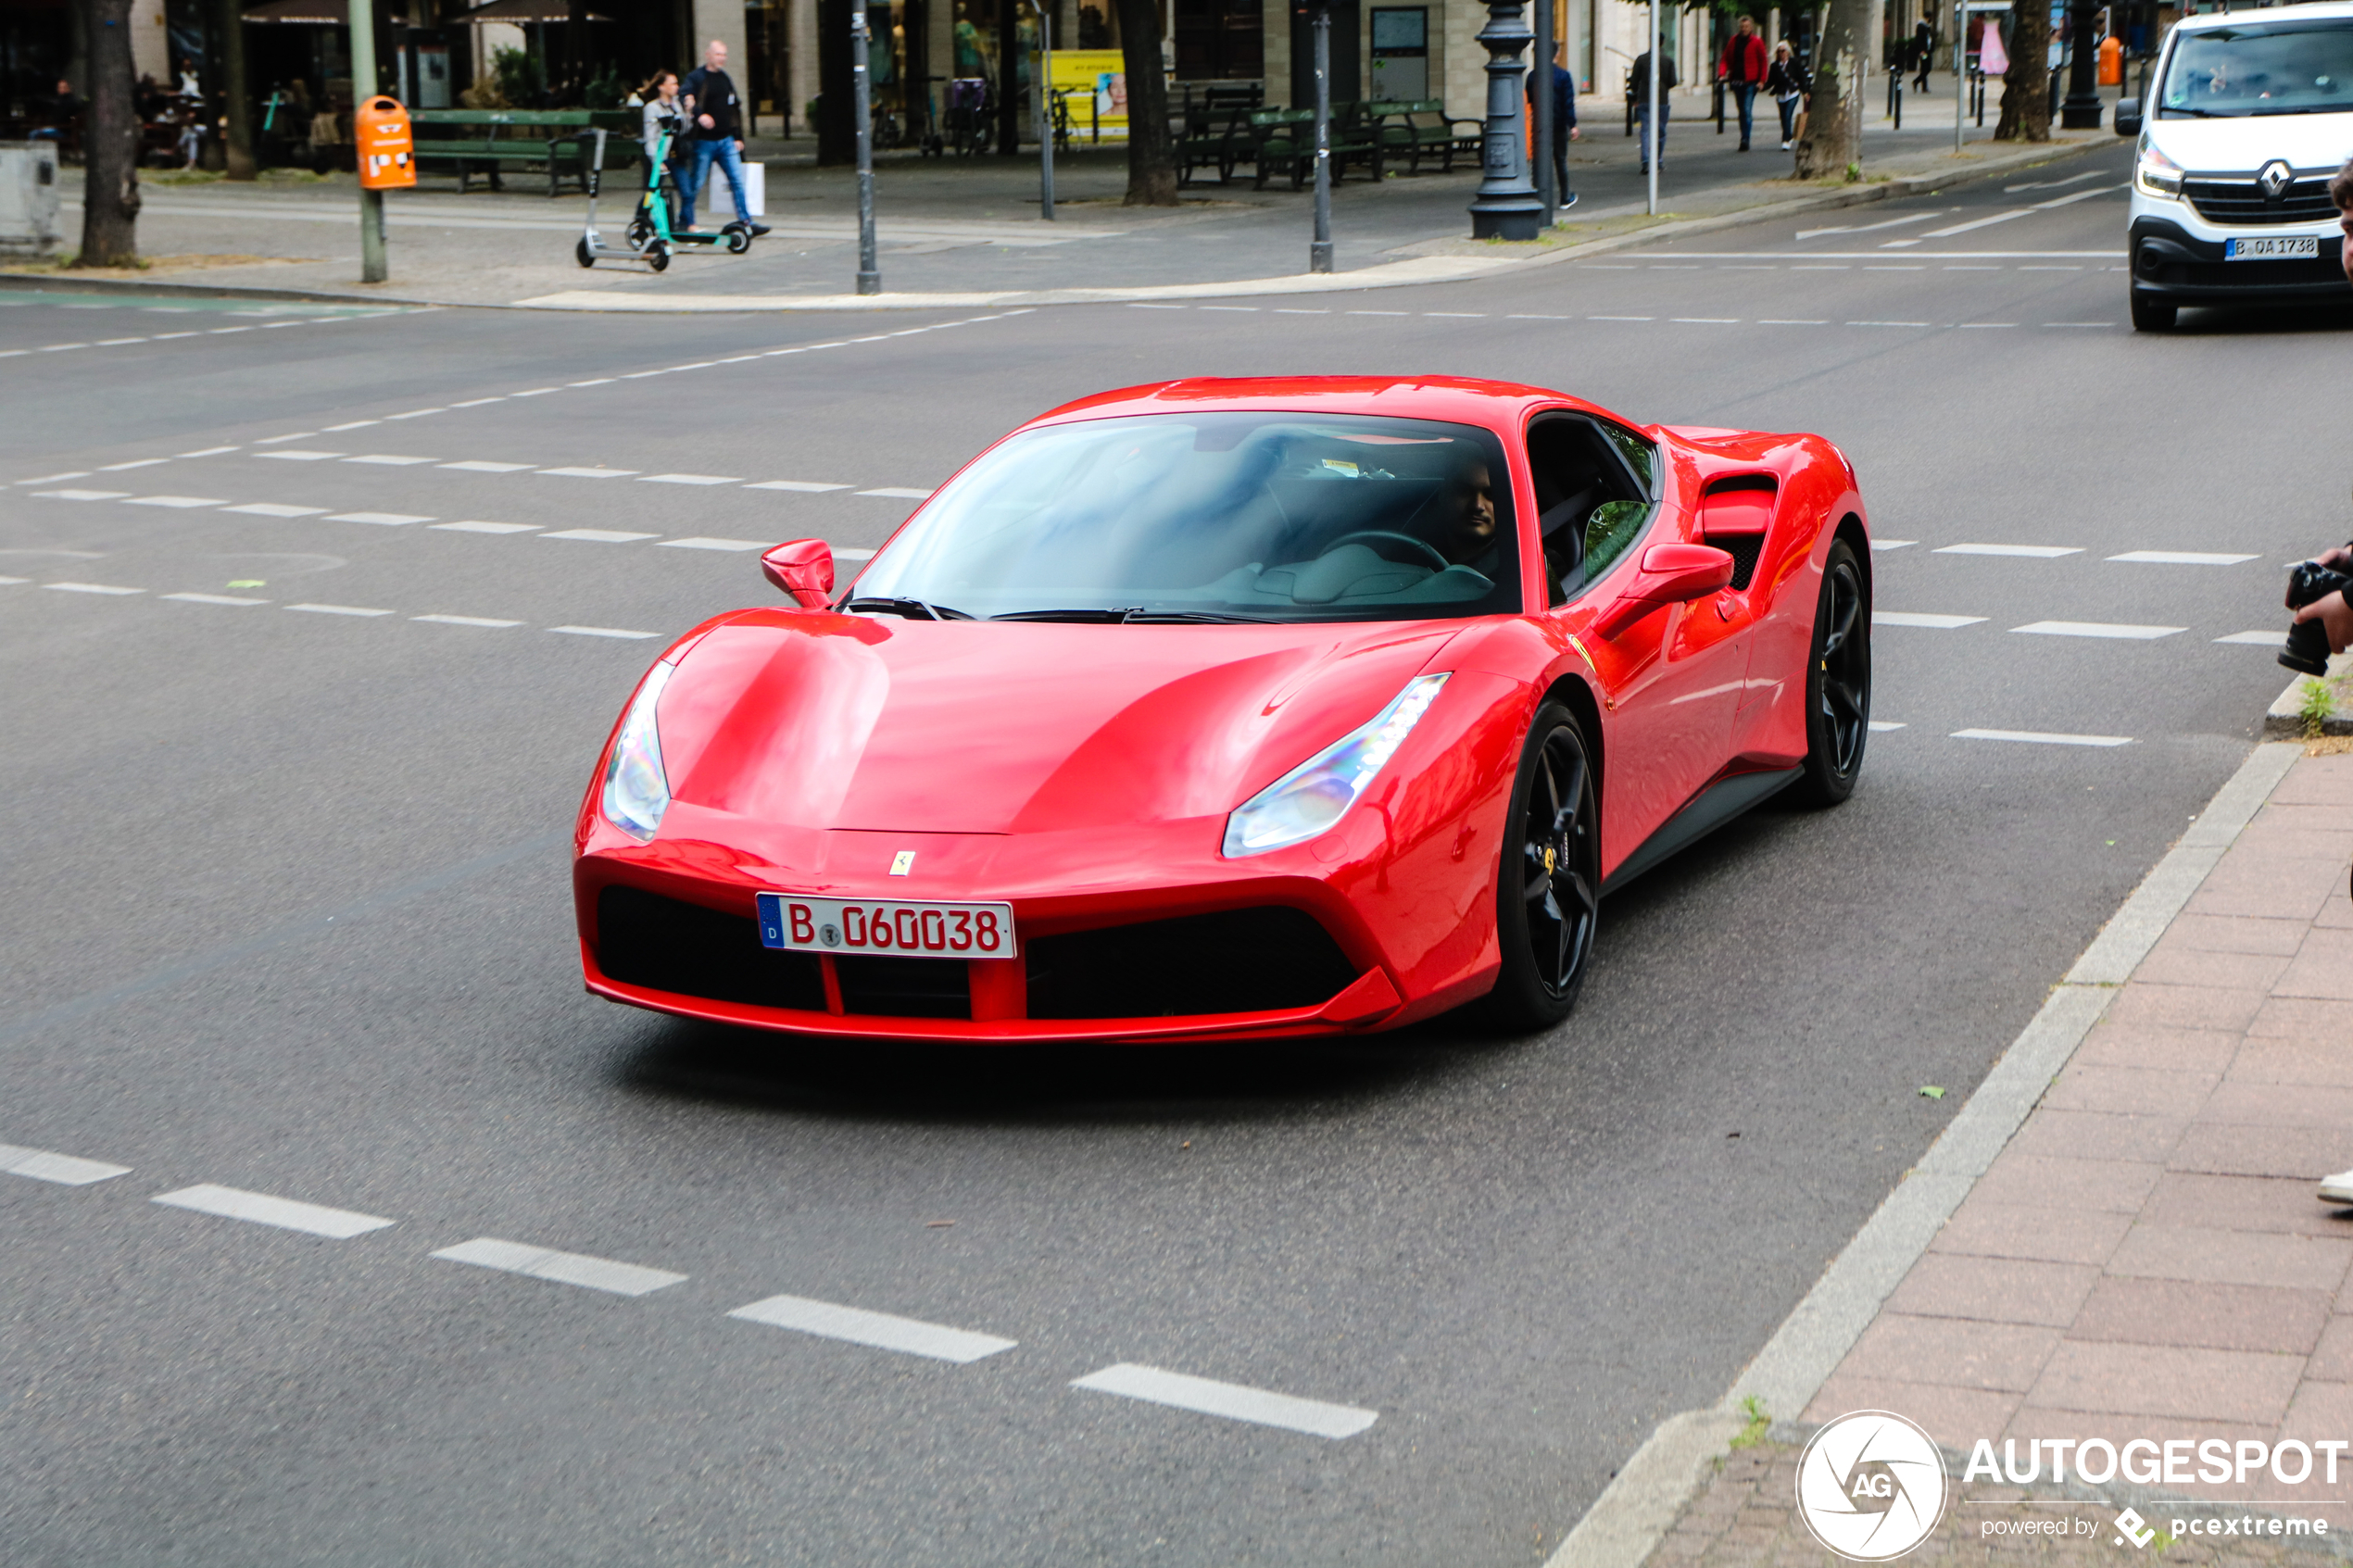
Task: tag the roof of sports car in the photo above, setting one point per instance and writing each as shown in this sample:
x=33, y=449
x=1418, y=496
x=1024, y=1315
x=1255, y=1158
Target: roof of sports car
x=1465, y=399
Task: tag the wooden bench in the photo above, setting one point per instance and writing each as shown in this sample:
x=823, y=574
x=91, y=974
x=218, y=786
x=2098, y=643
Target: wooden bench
x=1282, y=142
x=488, y=141
x=1420, y=130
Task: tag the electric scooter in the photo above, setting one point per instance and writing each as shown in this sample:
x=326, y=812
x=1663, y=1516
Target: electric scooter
x=649, y=237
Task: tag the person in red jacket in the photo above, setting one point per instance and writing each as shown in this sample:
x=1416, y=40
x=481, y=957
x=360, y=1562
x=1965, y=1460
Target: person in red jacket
x=1742, y=70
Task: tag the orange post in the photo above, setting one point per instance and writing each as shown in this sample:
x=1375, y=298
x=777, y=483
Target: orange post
x=387, y=152
x=2111, y=61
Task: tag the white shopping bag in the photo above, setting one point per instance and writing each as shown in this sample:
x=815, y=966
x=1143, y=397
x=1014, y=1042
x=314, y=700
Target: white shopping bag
x=756, y=188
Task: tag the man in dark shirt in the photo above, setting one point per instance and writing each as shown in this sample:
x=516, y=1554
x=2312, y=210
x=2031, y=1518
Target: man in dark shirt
x=1667, y=83
x=1564, y=120
x=716, y=115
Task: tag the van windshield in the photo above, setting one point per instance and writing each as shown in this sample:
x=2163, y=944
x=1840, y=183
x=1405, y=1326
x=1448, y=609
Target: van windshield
x=1214, y=517
x=2260, y=69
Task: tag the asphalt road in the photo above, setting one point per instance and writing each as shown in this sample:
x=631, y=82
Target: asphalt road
x=286, y=912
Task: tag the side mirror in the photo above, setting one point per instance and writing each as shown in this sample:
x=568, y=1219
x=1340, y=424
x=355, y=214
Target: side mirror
x=2128, y=117
x=804, y=570
x=1670, y=574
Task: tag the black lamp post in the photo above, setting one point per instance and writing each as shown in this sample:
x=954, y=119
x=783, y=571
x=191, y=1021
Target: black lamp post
x=1506, y=207
x=1319, y=247
x=2081, y=110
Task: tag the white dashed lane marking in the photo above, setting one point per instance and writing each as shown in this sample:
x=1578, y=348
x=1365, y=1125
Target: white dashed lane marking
x=702, y=544
x=1233, y=1400
x=184, y=503
x=604, y=631
x=2265, y=639
x=63, y=1168
x=388, y=519
x=2032, y=552
x=564, y=1268
x=261, y=1209
x=485, y=527
x=1881, y=725
x=2182, y=557
x=884, y=1331
x=589, y=473
x=91, y=588
x=274, y=508
x=2042, y=737
x=810, y=486
x=340, y=609
x=599, y=535
x=684, y=479
x=1931, y=622
x=215, y=599
x=465, y=621
x=2096, y=629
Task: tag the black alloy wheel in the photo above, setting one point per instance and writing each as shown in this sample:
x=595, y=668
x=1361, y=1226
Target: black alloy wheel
x=1838, y=681
x=1548, y=885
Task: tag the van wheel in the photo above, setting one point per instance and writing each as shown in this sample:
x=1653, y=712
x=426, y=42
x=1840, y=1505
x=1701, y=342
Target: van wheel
x=2152, y=315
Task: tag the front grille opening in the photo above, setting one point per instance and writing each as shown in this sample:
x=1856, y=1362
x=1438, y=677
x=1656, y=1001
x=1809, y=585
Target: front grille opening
x=2233, y=201
x=669, y=944
x=2248, y=274
x=897, y=988
x=1744, y=548
x=1240, y=961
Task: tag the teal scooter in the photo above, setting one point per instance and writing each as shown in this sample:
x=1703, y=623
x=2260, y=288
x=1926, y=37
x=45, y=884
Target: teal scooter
x=649, y=237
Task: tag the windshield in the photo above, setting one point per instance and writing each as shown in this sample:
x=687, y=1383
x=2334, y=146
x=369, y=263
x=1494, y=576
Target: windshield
x=1212, y=516
x=2262, y=67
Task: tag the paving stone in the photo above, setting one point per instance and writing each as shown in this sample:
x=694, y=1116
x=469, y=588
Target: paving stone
x=2149, y=1048
x=1993, y=1290
x=2215, y=1317
x=2053, y=1235
x=2079, y=1134
x=2047, y=1182
x=2248, y=1103
x=2246, y=1386
x=2184, y=1007
x=1947, y=1412
x=2000, y=1356
x=2302, y=1153
x=2224, y=1257
x=2333, y=1357
x=2129, y=1090
x=2188, y=966
x=2243, y=1203
x=2320, y=1062
x=2303, y=1018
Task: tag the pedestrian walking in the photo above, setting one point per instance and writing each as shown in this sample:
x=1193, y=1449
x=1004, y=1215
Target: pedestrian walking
x=1667, y=83
x=1923, y=50
x=716, y=135
x=1792, y=90
x=1564, y=121
x=1742, y=70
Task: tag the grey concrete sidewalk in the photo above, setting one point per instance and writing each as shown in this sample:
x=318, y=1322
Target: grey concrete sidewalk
x=969, y=229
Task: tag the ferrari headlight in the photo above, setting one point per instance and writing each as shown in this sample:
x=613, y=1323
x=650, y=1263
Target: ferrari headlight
x=636, y=791
x=1310, y=797
x=2158, y=175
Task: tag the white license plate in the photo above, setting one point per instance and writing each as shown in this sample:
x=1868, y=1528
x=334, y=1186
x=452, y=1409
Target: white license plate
x=790, y=922
x=2272, y=247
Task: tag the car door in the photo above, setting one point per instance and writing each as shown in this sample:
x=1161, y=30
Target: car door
x=1672, y=681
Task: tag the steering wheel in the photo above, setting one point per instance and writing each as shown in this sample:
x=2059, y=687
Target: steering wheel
x=1437, y=557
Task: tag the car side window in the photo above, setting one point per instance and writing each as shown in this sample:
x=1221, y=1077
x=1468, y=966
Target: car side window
x=1594, y=484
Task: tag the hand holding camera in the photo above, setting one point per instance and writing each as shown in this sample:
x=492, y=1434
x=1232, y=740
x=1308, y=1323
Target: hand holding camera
x=2323, y=619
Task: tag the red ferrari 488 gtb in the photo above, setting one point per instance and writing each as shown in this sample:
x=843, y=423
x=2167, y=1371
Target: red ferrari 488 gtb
x=1225, y=710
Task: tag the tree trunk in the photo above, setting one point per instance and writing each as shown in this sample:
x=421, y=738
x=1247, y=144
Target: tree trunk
x=111, y=142
x=2026, y=89
x=1151, y=161
x=1833, y=140
x=239, y=133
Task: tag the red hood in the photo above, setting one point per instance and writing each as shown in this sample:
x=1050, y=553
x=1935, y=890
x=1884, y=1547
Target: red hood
x=822, y=721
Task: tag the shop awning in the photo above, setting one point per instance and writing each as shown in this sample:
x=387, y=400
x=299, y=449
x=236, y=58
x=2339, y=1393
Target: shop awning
x=522, y=11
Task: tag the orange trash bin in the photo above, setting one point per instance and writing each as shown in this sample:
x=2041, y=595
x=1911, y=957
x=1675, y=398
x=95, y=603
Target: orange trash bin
x=387, y=151
x=2111, y=61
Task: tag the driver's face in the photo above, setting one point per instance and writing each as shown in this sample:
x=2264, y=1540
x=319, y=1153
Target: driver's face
x=1475, y=527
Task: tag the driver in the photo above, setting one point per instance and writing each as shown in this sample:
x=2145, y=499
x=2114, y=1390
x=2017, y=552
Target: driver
x=1470, y=538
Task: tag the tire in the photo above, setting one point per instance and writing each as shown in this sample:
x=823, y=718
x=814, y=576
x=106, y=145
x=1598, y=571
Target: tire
x=738, y=242
x=1838, y=681
x=2152, y=315
x=1548, y=882
x=582, y=254
x=658, y=255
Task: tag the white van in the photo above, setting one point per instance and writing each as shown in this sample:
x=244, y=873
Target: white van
x=2250, y=115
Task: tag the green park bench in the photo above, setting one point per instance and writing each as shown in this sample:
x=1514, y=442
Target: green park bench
x=487, y=141
x=1283, y=142
x=1418, y=130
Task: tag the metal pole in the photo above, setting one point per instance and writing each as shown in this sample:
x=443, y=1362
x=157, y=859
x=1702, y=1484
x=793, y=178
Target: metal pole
x=1541, y=77
x=1960, y=75
x=363, y=87
x=862, y=114
x=1319, y=250
x=1650, y=119
x=1506, y=206
x=1044, y=93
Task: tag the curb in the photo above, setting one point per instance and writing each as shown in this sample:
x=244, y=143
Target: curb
x=1637, y=1509
x=1411, y=272
x=2284, y=719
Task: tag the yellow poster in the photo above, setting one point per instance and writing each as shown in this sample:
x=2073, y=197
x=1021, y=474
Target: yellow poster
x=1092, y=84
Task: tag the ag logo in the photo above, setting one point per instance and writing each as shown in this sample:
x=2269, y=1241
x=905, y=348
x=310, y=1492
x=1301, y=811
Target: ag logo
x=1870, y=1485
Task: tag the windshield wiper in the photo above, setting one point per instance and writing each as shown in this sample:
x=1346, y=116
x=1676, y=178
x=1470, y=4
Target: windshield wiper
x=913, y=609
x=1103, y=615
x=1145, y=617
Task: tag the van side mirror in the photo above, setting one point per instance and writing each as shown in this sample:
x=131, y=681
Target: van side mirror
x=803, y=568
x=2128, y=117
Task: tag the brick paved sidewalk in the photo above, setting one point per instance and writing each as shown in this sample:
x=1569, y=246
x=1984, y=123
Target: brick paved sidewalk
x=2147, y=1256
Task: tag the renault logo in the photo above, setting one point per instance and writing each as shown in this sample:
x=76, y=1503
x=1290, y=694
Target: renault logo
x=2275, y=179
